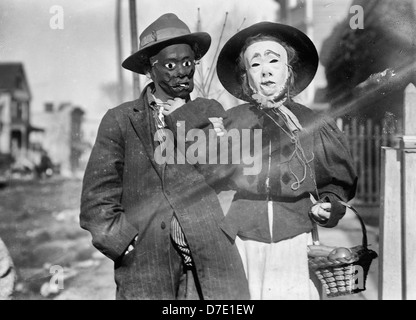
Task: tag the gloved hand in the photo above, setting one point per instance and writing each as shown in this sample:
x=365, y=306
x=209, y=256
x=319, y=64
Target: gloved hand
x=321, y=211
x=218, y=126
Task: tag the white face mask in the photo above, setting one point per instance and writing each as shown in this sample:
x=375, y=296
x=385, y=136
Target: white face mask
x=266, y=65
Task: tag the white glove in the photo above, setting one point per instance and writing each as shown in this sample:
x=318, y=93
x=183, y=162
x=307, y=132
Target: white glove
x=218, y=126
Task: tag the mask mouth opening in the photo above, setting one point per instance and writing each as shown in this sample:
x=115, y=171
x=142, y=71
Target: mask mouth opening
x=181, y=85
x=267, y=83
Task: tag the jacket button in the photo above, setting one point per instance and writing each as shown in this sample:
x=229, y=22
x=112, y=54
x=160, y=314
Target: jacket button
x=163, y=225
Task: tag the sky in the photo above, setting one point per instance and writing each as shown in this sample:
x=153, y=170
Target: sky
x=74, y=63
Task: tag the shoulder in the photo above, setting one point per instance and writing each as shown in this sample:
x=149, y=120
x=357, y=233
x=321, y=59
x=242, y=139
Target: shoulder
x=203, y=108
x=121, y=112
x=205, y=101
x=243, y=116
x=125, y=108
x=303, y=113
x=116, y=120
x=311, y=118
x=206, y=105
x=242, y=110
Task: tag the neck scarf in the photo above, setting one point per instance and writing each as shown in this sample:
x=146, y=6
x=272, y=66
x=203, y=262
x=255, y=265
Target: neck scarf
x=289, y=118
x=157, y=109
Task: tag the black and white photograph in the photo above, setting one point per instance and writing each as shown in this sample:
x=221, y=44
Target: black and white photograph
x=208, y=154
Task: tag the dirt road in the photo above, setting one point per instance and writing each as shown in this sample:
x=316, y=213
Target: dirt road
x=54, y=258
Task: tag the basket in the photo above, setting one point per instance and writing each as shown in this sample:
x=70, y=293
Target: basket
x=341, y=276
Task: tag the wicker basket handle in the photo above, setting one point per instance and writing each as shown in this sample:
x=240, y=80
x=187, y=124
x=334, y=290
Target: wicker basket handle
x=315, y=235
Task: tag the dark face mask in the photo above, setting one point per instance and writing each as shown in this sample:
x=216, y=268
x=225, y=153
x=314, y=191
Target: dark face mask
x=173, y=70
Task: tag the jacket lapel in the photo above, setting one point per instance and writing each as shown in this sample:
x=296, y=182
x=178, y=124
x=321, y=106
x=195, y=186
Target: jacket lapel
x=139, y=118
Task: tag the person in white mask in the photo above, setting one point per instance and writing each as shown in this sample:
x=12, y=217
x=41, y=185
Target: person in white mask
x=306, y=166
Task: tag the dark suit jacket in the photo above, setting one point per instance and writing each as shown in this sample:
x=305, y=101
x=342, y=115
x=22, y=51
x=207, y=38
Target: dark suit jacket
x=126, y=193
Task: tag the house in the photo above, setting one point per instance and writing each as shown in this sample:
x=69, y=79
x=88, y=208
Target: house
x=15, y=122
x=63, y=137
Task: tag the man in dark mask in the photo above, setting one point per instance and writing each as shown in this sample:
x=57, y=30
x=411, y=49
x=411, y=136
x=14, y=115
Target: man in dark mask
x=158, y=220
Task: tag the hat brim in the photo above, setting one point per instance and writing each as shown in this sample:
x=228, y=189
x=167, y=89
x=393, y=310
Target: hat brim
x=305, y=68
x=138, y=61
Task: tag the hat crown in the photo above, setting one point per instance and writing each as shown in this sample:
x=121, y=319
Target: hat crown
x=166, y=27
x=167, y=30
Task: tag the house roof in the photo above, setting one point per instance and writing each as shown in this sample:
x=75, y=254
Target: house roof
x=69, y=107
x=9, y=73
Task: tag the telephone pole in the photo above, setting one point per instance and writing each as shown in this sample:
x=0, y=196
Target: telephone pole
x=134, y=45
x=120, y=86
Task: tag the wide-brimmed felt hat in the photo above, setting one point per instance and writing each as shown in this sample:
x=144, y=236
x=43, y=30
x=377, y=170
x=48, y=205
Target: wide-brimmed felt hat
x=167, y=30
x=304, y=68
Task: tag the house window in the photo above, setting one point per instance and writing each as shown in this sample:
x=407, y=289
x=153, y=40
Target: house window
x=49, y=107
x=293, y=4
x=19, y=83
x=16, y=140
x=13, y=110
x=17, y=110
x=25, y=111
x=20, y=108
x=1, y=117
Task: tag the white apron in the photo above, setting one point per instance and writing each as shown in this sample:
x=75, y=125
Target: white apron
x=278, y=271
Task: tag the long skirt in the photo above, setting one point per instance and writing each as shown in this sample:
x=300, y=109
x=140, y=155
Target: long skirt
x=278, y=271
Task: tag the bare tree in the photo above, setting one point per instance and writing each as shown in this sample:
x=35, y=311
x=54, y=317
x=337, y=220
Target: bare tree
x=205, y=76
